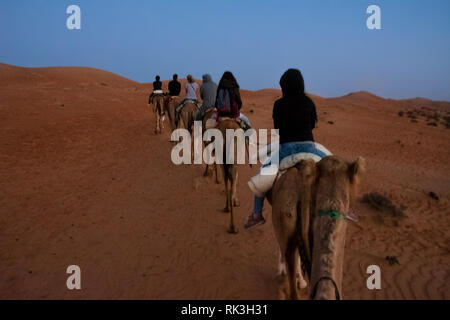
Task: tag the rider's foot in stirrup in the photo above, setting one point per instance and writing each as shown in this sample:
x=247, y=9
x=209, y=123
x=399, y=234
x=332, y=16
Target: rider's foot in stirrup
x=256, y=218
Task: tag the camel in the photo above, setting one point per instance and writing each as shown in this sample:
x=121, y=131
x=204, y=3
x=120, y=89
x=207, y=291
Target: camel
x=208, y=115
x=171, y=107
x=230, y=173
x=309, y=203
x=290, y=198
x=186, y=115
x=158, y=109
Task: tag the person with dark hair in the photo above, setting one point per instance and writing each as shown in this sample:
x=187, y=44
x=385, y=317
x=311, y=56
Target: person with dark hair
x=157, y=88
x=174, y=86
x=295, y=116
x=157, y=84
x=228, y=98
x=174, y=90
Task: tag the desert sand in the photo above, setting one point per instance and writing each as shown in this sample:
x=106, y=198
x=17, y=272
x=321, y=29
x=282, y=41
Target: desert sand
x=84, y=181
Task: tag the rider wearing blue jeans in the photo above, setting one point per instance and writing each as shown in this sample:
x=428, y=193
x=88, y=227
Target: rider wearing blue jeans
x=295, y=116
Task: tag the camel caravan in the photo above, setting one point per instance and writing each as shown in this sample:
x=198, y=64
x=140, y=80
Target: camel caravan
x=311, y=191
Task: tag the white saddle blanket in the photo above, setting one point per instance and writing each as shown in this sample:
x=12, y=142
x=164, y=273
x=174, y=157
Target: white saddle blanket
x=263, y=182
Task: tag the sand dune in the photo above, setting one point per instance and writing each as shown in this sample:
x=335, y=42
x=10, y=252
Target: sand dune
x=84, y=181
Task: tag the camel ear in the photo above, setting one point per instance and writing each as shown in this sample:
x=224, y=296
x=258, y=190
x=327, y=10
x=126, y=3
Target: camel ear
x=357, y=169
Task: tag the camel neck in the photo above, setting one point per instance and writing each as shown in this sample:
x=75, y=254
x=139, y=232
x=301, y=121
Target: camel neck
x=328, y=258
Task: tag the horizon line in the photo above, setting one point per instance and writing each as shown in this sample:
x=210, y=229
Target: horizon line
x=256, y=90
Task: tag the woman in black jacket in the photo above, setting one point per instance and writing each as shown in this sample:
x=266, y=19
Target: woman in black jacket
x=295, y=116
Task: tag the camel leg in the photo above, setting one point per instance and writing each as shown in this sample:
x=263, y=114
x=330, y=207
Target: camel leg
x=205, y=174
x=192, y=148
x=210, y=170
x=232, y=172
x=236, y=202
x=284, y=218
x=158, y=127
x=281, y=265
x=217, y=173
x=158, y=118
x=301, y=282
x=227, y=191
x=282, y=270
x=292, y=265
x=283, y=289
x=157, y=122
x=173, y=119
x=161, y=117
x=289, y=265
x=171, y=114
x=207, y=166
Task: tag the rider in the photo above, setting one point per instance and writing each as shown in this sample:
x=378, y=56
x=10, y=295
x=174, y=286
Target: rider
x=157, y=84
x=174, y=89
x=191, y=88
x=174, y=86
x=157, y=88
x=228, y=99
x=208, y=92
x=295, y=116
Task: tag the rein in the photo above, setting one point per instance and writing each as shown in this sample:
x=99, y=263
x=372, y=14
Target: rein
x=336, y=290
x=332, y=214
x=336, y=215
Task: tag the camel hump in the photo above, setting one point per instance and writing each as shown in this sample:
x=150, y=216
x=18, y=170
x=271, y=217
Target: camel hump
x=175, y=99
x=306, y=167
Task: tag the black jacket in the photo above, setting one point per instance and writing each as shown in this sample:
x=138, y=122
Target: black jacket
x=157, y=85
x=295, y=113
x=174, y=88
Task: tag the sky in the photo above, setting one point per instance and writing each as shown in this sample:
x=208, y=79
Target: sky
x=328, y=40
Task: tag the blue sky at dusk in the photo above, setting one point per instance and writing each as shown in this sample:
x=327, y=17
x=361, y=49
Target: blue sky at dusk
x=255, y=39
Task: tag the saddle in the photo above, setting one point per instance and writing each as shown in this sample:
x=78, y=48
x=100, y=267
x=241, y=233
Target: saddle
x=191, y=101
x=168, y=99
x=212, y=123
x=264, y=181
x=154, y=94
x=244, y=126
x=180, y=107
